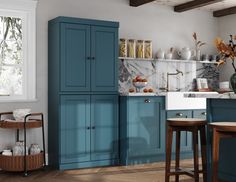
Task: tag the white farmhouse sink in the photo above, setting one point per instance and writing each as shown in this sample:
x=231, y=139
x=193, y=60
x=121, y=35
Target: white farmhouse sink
x=177, y=101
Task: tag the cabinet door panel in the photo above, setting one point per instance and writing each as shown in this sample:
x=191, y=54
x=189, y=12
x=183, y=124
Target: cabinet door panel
x=104, y=117
x=199, y=114
x=75, y=54
x=75, y=137
x=104, y=41
x=145, y=126
x=186, y=137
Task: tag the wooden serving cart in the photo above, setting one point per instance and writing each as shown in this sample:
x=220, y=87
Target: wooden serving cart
x=25, y=162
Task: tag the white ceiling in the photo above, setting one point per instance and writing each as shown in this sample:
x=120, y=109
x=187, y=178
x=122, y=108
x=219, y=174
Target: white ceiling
x=213, y=7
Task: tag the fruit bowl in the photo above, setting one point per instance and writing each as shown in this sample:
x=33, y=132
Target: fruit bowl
x=139, y=85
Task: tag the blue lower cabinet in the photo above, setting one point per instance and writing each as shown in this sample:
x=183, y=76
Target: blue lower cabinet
x=142, y=129
x=75, y=137
x=104, y=125
x=88, y=131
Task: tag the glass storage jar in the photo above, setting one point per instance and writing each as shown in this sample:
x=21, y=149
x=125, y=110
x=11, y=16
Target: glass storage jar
x=131, y=48
x=140, y=49
x=19, y=149
x=34, y=149
x=123, y=48
x=148, y=49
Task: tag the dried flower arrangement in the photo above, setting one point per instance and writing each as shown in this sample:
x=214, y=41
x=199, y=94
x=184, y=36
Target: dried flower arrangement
x=227, y=51
x=198, y=43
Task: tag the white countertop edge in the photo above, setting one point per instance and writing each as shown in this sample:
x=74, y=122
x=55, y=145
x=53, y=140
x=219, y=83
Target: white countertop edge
x=227, y=95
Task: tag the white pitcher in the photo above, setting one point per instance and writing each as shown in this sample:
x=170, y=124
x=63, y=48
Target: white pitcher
x=186, y=53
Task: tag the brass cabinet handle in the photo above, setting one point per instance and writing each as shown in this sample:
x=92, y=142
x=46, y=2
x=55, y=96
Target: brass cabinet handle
x=147, y=101
x=179, y=114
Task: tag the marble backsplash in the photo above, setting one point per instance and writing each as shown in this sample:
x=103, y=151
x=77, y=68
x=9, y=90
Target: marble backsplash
x=156, y=74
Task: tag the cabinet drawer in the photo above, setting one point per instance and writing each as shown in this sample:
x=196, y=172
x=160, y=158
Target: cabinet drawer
x=200, y=114
x=179, y=114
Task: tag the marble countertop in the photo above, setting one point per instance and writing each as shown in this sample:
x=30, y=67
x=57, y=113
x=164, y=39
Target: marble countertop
x=144, y=94
x=212, y=95
x=216, y=95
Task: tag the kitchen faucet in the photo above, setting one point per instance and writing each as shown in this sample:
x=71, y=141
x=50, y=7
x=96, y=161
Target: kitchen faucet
x=169, y=74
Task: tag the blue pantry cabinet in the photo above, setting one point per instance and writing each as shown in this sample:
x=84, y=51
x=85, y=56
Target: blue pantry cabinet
x=82, y=93
x=142, y=129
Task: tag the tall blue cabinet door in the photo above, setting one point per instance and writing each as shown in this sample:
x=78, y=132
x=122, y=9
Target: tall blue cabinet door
x=104, y=122
x=145, y=126
x=75, y=57
x=74, y=131
x=104, y=51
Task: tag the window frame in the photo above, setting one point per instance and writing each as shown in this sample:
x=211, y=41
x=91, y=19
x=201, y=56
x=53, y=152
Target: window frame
x=26, y=10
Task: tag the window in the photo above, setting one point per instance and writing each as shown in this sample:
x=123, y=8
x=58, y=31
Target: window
x=17, y=50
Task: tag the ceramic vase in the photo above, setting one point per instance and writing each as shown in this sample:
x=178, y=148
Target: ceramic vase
x=233, y=82
x=34, y=149
x=198, y=55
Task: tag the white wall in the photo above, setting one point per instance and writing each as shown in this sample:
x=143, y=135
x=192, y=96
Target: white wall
x=158, y=23
x=227, y=27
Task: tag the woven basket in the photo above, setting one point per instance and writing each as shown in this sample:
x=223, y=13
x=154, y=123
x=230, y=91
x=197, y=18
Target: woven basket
x=16, y=163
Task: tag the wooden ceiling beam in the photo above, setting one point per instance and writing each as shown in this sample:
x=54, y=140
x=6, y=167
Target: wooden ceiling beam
x=194, y=4
x=225, y=12
x=136, y=3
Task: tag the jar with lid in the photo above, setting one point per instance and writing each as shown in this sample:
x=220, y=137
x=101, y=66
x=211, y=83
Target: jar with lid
x=34, y=149
x=19, y=149
x=140, y=49
x=131, y=48
x=123, y=48
x=148, y=49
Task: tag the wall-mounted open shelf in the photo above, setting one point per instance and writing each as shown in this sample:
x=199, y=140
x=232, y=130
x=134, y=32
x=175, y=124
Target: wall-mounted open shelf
x=137, y=59
x=168, y=60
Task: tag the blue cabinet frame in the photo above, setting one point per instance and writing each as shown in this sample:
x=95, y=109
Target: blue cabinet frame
x=142, y=129
x=82, y=93
x=88, y=58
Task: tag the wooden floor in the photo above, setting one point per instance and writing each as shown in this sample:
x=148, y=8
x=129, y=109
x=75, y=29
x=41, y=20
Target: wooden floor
x=138, y=173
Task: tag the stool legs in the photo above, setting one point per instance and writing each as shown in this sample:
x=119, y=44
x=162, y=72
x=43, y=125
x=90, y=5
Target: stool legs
x=177, y=154
x=203, y=152
x=215, y=155
x=169, y=138
x=178, y=171
x=195, y=154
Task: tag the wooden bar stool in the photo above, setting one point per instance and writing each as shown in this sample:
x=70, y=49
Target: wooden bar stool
x=220, y=130
x=185, y=124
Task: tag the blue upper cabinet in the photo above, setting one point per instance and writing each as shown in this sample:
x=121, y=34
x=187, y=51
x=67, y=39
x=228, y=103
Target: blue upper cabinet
x=88, y=53
x=104, y=58
x=75, y=54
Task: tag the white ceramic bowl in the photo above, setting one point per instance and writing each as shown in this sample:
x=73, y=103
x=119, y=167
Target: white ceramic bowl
x=140, y=84
x=19, y=114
